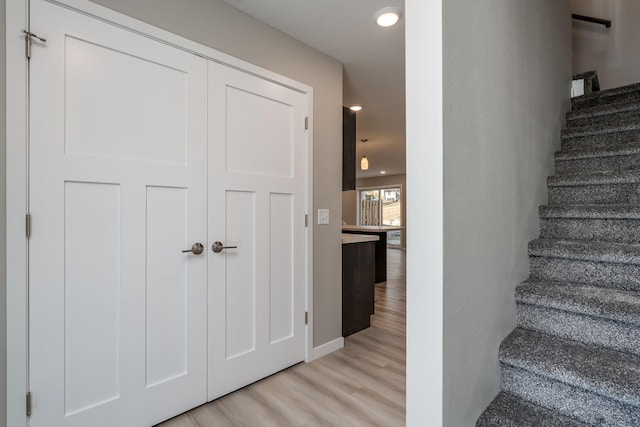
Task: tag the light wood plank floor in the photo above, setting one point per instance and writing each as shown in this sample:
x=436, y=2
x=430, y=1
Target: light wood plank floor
x=362, y=384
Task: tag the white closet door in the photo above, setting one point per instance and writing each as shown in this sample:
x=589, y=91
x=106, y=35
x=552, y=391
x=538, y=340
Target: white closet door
x=257, y=200
x=118, y=175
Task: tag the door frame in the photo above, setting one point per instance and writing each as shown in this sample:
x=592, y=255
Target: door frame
x=17, y=177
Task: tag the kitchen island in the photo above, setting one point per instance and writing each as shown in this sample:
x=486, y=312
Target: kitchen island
x=358, y=281
x=380, y=245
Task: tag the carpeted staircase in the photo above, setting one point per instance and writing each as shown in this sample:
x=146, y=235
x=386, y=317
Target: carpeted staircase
x=574, y=359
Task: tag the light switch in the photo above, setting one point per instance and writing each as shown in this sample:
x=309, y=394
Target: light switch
x=323, y=216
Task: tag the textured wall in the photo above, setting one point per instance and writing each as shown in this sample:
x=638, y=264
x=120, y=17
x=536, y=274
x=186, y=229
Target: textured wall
x=507, y=69
x=612, y=52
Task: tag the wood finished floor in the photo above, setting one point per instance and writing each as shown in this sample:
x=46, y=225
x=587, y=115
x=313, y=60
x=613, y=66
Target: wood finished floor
x=362, y=384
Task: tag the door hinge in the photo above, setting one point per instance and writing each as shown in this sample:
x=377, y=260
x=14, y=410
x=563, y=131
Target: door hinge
x=306, y=123
x=28, y=225
x=306, y=220
x=306, y=317
x=28, y=38
x=28, y=404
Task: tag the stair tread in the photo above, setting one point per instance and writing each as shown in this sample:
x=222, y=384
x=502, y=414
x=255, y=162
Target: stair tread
x=607, y=93
x=603, y=110
x=599, y=370
x=612, y=304
x=508, y=410
x=602, y=211
x=611, y=252
x=599, y=129
x=626, y=176
x=607, y=151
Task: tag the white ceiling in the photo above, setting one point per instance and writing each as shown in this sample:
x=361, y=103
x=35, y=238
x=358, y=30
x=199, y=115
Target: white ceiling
x=373, y=59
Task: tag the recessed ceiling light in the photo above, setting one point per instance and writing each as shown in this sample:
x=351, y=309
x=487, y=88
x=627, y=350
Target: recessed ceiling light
x=388, y=16
x=355, y=107
x=383, y=172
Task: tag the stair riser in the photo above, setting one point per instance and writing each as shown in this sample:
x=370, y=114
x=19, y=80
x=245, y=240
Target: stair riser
x=579, y=104
x=608, y=275
x=622, y=117
x=610, y=230
x=604, y=109
x=599, y=140
x=597, y=164
x=578, y=327
x=595, y=194
x=568, y=400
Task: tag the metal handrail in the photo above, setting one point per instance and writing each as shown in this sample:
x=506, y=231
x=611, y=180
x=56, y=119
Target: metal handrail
x=605, y=22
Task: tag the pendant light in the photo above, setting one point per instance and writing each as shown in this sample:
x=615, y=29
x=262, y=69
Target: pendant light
x=364, y=162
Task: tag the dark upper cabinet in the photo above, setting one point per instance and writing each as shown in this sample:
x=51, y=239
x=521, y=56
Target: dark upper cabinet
x=348, y=149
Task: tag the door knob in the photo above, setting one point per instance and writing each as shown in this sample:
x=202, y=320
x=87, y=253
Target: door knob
x=217, y=247
x=196, y=249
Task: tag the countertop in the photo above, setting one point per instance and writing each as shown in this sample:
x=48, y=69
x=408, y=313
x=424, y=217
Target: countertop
x=372, y=228
x=358, y=238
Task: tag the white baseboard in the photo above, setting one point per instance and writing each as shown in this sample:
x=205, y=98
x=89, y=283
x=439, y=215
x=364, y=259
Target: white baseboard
x=326, y=348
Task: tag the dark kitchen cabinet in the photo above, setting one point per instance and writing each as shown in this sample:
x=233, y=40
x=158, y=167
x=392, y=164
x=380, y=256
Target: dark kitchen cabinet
x=358, y=286
x=348, y=149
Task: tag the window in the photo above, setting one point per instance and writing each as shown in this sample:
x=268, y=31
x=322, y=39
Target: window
x=381, y=206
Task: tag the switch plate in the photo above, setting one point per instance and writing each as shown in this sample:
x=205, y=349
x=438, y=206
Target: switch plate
x=323, y=216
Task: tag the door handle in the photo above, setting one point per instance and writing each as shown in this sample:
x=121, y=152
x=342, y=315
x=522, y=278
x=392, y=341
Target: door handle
x=196, y=249
x=217, y=247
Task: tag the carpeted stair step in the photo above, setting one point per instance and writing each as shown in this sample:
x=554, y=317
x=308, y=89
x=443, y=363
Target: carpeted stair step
x=576, y=350
x=605, y=97
x=612, y=223
x=621, y=112
x=619, y=187
x=604, y=264
x=597, y=136
x=508, y=410
x=609, y=158
x=592, y=315
x=595, y=385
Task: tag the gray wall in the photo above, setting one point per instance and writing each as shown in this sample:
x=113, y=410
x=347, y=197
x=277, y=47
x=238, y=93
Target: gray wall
x=612, y=52
x=350, y=207
x=3, y=271
x=350, y=198
x=507, y=71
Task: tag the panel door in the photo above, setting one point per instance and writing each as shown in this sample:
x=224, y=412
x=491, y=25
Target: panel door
x=257, y=200
x=118, y=154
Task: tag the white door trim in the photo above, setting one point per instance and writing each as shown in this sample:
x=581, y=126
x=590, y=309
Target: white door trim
x=16, y=208
x=17, y=176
